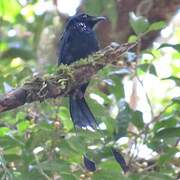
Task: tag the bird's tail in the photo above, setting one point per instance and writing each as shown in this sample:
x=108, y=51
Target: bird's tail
x=81, y=115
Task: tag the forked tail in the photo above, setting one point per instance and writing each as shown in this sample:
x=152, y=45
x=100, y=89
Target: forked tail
x=81, y=115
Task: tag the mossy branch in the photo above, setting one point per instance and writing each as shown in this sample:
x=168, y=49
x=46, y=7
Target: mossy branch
x=66, y=78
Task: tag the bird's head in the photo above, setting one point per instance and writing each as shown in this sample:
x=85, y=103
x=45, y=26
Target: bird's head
x=86, y=19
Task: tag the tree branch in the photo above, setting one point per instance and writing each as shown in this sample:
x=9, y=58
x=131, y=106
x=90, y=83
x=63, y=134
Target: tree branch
x=66, y=79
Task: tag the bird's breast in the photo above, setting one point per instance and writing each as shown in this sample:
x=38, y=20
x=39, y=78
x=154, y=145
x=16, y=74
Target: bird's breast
x=83, y=44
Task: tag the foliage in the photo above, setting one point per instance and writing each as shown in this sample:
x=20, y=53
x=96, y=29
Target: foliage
x=38, y=141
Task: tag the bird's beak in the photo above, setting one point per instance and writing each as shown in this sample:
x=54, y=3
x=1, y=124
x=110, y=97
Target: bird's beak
x=97, y=19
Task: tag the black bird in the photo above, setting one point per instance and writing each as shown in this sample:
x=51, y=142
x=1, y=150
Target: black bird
x=78, y=41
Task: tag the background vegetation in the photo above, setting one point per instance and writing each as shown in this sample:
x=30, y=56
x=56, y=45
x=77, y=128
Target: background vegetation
x=137, y=107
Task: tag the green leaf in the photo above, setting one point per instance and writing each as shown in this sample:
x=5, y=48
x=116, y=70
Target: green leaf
x=107, y=7
x=165, y=123
x=174, y=46
x=137, y=119
x=152, y=70
x=54, y=165
x=108, y=169
x=156, y=26
x=4, y=131
x=117, y=88
x=176, y=79
x=77, y=144
x=125, y=116
x=18, y=52
x=132, y=39
x=9, y=10
x=167, y=156
x=168, y=133
x=69, y=176
x=143, y=67
x=22, y=126
x=110, y=124
x=148, y=67
x=151, y=176
x=138, y=23
x=65, y=118
x=176, y=99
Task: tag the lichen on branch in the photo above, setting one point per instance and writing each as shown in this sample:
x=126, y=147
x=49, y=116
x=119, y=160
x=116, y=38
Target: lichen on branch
x=67, y=78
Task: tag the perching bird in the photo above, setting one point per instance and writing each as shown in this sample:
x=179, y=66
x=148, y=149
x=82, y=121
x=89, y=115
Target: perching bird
x=78, y=41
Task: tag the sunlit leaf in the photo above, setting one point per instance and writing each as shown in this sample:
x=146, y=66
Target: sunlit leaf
x=132, y=39
x=9, y=10
x=4, y=131
x=22, y=126
x=65, y=118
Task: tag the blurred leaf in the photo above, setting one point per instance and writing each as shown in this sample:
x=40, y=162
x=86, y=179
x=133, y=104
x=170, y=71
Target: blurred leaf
x=69, y=176
x=132, y=39
x=176, y=99
x=166, y=122
x=176, y=79
x=156, y=26
x=108, y=169
x=110, y=124
x=22, y=126
x=77, y=144
x=9, y=10
x=7, y=141
x=152, y=70
x=108, y=7
x=174, y=46
x=65, y=118
x=168, y=133
x=117, y=88
x=55, y=165
x=151, y=176
x=138, y=23
x=125, y=116
x=28, y=175
x=137, y=119
x=20, y=116
x=4, y=131
x=17, y=52
x=167, y=156
x=148, y=67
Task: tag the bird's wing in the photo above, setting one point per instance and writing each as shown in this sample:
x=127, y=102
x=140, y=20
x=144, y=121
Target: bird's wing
x=64, y=55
